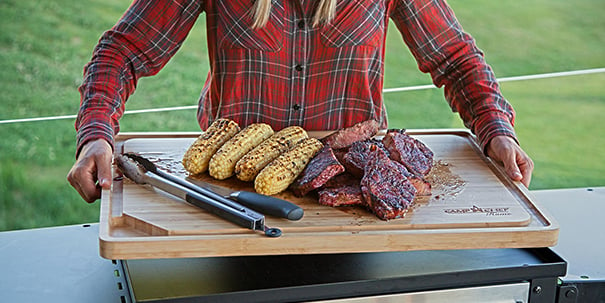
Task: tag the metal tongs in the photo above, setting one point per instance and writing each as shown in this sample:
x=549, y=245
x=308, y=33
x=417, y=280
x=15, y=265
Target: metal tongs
x=143, y=171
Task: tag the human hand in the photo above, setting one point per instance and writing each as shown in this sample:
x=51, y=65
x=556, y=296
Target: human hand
x=92, y=170
x=517, y=164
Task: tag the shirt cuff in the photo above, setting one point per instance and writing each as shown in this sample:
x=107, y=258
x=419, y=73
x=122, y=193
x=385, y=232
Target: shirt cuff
x=93, y=132
x=493, y=124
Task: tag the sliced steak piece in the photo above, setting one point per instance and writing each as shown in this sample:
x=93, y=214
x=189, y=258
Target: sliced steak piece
x=340, y=154
x=412, y=153
x=342, y=179
x=320, y=169
x=356, y=159
x=342, y=190
x=344, y=195
x=346, y=136
x=386, y=188
x=423, y=187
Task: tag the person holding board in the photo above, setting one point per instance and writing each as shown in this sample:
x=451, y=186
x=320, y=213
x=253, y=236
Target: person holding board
x=318, y=64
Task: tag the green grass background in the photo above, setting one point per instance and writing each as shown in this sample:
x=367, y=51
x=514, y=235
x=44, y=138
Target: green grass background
x=45, y=44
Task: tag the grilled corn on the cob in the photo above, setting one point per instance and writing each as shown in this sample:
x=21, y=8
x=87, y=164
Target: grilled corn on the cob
x=222, y=164
x=197, y=157
x=281, y=172
x=254, y=161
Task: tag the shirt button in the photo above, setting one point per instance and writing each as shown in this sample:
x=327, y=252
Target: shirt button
x=296, y=107
x=301, y=24
x=298, y=67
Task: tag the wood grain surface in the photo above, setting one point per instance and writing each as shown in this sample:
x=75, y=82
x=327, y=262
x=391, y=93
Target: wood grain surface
x=473, y=205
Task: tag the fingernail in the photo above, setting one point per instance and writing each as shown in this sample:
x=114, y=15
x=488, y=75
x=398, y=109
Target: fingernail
x=104, y=182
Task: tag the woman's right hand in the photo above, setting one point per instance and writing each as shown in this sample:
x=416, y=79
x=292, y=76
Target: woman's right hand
x=92, y=170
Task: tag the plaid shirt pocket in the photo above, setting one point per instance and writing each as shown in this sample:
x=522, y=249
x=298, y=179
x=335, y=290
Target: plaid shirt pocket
x=359, y=22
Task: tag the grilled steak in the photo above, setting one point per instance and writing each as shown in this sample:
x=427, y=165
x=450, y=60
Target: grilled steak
x=423, y=187
x=320, y=169
x=416, y=156
x=342, y=179
x=385, y=187
x=345, y=195
x=357, y=156
x=340, y=154
x=384, y=175
x=342, y=190
x=346, y=136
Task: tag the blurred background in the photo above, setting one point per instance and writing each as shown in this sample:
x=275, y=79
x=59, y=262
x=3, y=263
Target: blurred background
x=45, y=44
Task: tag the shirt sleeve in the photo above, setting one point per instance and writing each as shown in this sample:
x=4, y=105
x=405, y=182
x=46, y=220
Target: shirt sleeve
x=139, y=45
x=442, y=49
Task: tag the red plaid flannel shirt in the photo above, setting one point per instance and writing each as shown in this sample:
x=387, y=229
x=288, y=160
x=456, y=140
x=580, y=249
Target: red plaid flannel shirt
x=288, y=72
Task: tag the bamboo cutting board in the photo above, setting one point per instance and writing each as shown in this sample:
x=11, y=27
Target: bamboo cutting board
x=473, y=205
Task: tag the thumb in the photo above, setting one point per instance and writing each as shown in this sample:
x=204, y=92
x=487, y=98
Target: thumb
x=104, y=173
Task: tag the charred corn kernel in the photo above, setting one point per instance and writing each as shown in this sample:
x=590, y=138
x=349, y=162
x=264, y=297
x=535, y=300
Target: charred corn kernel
x=281, y=172
x=280, y=142
x=222, y=164
x=197, y=156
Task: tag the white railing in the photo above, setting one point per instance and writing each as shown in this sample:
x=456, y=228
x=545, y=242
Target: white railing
x=386, y=90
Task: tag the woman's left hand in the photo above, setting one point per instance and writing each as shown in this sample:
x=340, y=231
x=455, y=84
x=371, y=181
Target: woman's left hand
x=516, y=162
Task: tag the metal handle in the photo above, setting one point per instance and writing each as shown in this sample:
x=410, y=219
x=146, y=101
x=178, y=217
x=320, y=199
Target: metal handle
x=242, y=216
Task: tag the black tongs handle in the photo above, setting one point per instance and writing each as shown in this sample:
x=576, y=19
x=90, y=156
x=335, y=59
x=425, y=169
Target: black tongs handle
x=269, y=205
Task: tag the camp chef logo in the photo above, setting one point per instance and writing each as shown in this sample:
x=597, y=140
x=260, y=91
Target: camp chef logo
x=498, y=211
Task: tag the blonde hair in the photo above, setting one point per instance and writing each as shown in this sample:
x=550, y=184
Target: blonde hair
x=262, y=10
